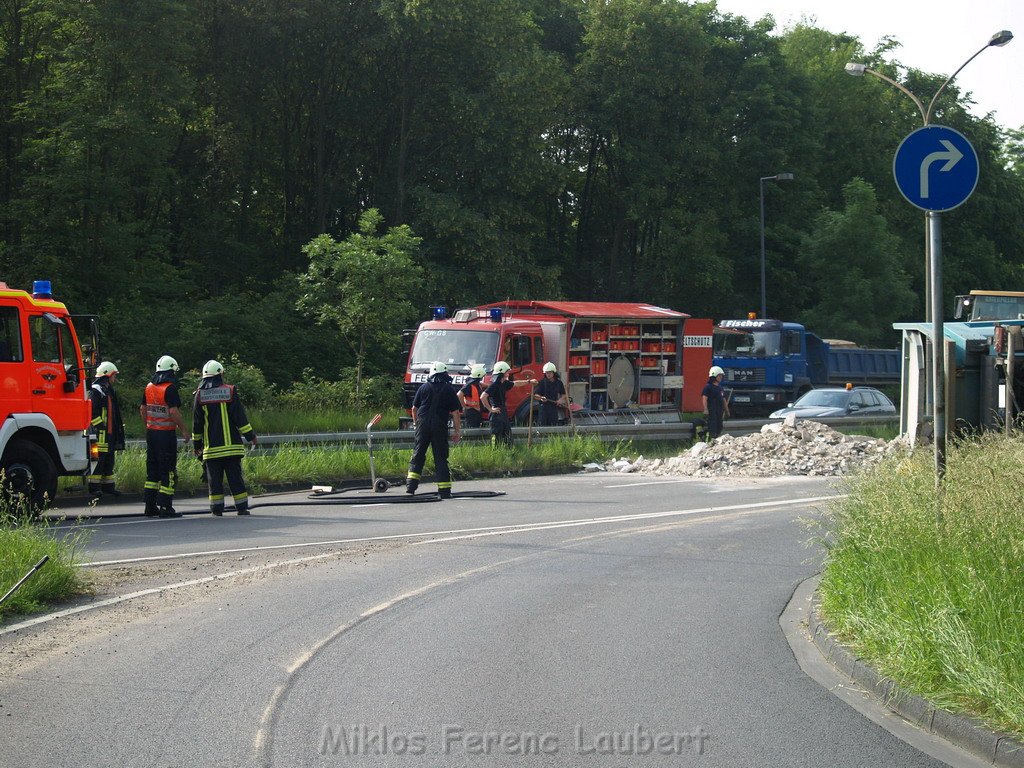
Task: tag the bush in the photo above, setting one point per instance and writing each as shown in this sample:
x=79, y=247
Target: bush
x=256, y=392
x=313, y=393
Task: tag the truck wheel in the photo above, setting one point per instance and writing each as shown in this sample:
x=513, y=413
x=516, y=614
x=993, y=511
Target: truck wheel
x=29, y=472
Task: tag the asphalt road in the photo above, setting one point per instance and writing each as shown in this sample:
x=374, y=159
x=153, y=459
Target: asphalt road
x=586, y=639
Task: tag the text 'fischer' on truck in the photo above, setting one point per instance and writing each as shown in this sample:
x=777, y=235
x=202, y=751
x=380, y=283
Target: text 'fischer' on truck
x=613, y=357
x=769, y=363
x=46, y=412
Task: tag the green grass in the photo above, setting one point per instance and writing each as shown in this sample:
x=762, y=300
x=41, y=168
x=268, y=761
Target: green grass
x=936, y=605
x=885, y=432
x=23, y=543
x=331, y=464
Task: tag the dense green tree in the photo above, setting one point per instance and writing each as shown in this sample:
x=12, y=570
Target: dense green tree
x=860, y=287
x=364, y=286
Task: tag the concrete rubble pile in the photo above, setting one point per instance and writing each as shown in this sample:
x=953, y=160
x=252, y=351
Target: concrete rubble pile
x=789, y=447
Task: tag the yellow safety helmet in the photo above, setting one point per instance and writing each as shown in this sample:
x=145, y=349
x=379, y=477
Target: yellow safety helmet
x=478, y=371
x=438, y=367
x=501, y=367
x=550, y=368
x=716, y=370
x=106, y=368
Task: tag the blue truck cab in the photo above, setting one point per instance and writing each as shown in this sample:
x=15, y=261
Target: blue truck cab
x=769, y=363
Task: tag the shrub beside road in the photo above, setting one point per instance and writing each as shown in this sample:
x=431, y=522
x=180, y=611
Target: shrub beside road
x=930, y=590
x=23, y=543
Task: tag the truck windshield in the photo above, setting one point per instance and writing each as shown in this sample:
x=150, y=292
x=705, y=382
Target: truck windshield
x=735, y=343
x=997, y=308
x=457, y=349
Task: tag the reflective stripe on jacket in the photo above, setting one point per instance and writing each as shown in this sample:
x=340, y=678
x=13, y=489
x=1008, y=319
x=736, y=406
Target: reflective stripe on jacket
x=219, y=421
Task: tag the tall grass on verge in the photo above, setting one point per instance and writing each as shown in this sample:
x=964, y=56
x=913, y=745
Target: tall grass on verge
x=936, y=602
x=23, y=543
x=292, y=464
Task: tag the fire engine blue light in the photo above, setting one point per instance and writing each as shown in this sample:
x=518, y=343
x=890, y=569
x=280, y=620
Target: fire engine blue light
x=439, y=313
x=496, y=314
x=41, y=289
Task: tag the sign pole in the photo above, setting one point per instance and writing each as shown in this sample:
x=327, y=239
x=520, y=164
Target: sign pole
x=938, y=344
x=936, y=170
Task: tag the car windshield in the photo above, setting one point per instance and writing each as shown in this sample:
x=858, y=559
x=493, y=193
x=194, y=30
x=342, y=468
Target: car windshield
x=747, y=343
x=823, y=398
x=457, y=349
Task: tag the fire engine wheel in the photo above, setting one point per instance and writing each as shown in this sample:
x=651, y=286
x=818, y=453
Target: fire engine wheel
x=29, y=472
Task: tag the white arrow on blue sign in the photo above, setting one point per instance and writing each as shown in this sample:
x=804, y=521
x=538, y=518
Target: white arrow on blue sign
x=936, y=168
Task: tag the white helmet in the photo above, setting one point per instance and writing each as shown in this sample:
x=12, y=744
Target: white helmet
x=212, y=368
x=550, y=368
x=438, y=367
x=106, y=368
x=167, y=363
x=716, y=370
x=501, y=367
x=478, y=371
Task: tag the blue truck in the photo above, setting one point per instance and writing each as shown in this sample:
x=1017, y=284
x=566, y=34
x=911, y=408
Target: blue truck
x=769, y=363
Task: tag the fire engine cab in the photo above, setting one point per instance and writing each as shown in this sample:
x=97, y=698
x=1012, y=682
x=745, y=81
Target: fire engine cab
x=43, y=394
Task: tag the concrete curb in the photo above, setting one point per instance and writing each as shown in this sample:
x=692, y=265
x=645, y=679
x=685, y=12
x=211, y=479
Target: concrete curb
x=969, y=734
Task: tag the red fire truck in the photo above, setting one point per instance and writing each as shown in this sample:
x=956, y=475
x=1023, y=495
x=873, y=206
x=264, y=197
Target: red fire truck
x=611, y=356
x=43, y=393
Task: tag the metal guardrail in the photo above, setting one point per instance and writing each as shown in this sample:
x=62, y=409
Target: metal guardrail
x=609, y=433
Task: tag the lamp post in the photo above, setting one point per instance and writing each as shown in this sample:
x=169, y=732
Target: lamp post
x=776, y=177
x=933, y=261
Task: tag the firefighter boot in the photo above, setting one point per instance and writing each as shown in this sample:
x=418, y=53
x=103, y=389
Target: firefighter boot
x=411, y=486
x=242, y=508
x=444, y=493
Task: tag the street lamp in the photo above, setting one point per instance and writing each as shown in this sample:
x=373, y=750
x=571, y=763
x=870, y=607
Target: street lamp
x=933, y=261
x=776, y=177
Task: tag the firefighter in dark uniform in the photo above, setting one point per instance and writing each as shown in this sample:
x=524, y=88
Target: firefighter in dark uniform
x=108, y=427
x=160, y=411
x=219, y=429
x=469, y=396
x=493, y=401
x=435, y=402
x=716, y=406
x=550, y=392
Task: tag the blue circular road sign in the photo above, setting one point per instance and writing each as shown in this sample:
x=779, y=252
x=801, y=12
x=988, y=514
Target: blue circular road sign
x=936, y=168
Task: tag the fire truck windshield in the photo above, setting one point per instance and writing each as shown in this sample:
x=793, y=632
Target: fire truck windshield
x=747, y=343
x=458, y=349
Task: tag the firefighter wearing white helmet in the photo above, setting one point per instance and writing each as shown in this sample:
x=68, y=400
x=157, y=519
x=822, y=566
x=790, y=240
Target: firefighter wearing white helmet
x=108, y=427
x=550, y=393
x=432, y=406
x=469, y=396
x=493, y=401
x=716, y=403
x=160, y=410
x=220, y=429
